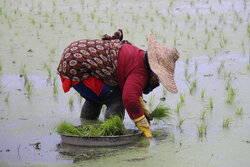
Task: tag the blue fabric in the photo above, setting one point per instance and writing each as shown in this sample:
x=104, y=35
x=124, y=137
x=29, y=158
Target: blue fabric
x=88, y=93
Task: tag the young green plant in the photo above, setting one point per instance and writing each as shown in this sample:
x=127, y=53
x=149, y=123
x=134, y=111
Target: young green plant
x=182, y=98
x=29, y=89
x=179, y=104
x=231, y=95
x=202, y=93
x=201, y=129
x=239, y=111
x=203, y=115
x=48, y=69
x=54, y=86
x=180, y=123
x=161, y=112
x=211, y=104
x=193, y=86
x=226, y=122
x=6, y=99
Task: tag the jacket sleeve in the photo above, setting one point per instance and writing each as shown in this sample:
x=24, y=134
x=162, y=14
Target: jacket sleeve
x=132, y=91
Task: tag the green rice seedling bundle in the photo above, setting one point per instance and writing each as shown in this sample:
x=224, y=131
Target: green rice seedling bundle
x=110, y=127
x=68, y=129
x=161, y=112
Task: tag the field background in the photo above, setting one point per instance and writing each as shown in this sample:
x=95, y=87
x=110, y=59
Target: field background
x=213, y=40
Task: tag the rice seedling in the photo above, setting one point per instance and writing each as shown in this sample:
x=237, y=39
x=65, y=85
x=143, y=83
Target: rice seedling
x=161, y=112
x=33, y=21
x=202, y=93
x=187, y=60
x=53, y=50
x=78, y=17
x=188, y=78
x=48, y=69
x=208, y=37
x=228, y=85
x=143, y=26
x=23, y=69
x=231, y=95
x=179, y=104
x=164, y=90
x=158, y=133
x=52, y=25
x=151, y=102
x=211, y=105
x=6, y=99
x=205, y=45
x=205, y=129
x=68, y=129
x=182, y=98
x=220, y=67
x=92, y=15
x=55, y=86
x=203, y=115
x=29, y=89
x=201, y=129
x=172, y=138
x=110, y=127
x=226, y=122
x=224, y=40
x=71, y=102
x=180, y=123
x=193, y=86
x=191, y=90
x=25, y=78
x=239, y=111
x=194, y=83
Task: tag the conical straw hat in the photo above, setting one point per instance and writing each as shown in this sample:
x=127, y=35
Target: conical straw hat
x=162, y=62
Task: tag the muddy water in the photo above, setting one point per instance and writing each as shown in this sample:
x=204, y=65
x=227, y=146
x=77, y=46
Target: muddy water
x=208, y=34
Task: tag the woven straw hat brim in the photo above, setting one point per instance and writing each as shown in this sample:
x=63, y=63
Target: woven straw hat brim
x=162, y=62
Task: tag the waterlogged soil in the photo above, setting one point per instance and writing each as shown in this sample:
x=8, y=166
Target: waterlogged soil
x=212, y=38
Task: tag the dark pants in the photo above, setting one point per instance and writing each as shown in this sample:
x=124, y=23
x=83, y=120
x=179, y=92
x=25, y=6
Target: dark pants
x=112, y=99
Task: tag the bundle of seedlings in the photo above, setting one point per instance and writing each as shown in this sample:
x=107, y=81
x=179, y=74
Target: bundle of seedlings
x=161, y=112
x=110, y=127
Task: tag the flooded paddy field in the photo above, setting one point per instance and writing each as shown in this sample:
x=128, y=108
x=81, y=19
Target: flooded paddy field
x=211, y=112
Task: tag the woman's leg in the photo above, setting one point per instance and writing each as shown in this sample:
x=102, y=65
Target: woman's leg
x=113, y=100
x=91, y=110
